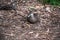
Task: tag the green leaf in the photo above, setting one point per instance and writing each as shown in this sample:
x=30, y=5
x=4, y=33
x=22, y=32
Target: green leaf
x=51, y=2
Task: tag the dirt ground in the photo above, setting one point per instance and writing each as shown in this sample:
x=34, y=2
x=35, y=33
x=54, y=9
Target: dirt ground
x=13, y=26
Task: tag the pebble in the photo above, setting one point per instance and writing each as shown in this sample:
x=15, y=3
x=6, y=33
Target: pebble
x=48, y=9
x=32, y=18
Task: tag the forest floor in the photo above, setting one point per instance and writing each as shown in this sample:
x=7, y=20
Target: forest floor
x=13, y=26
